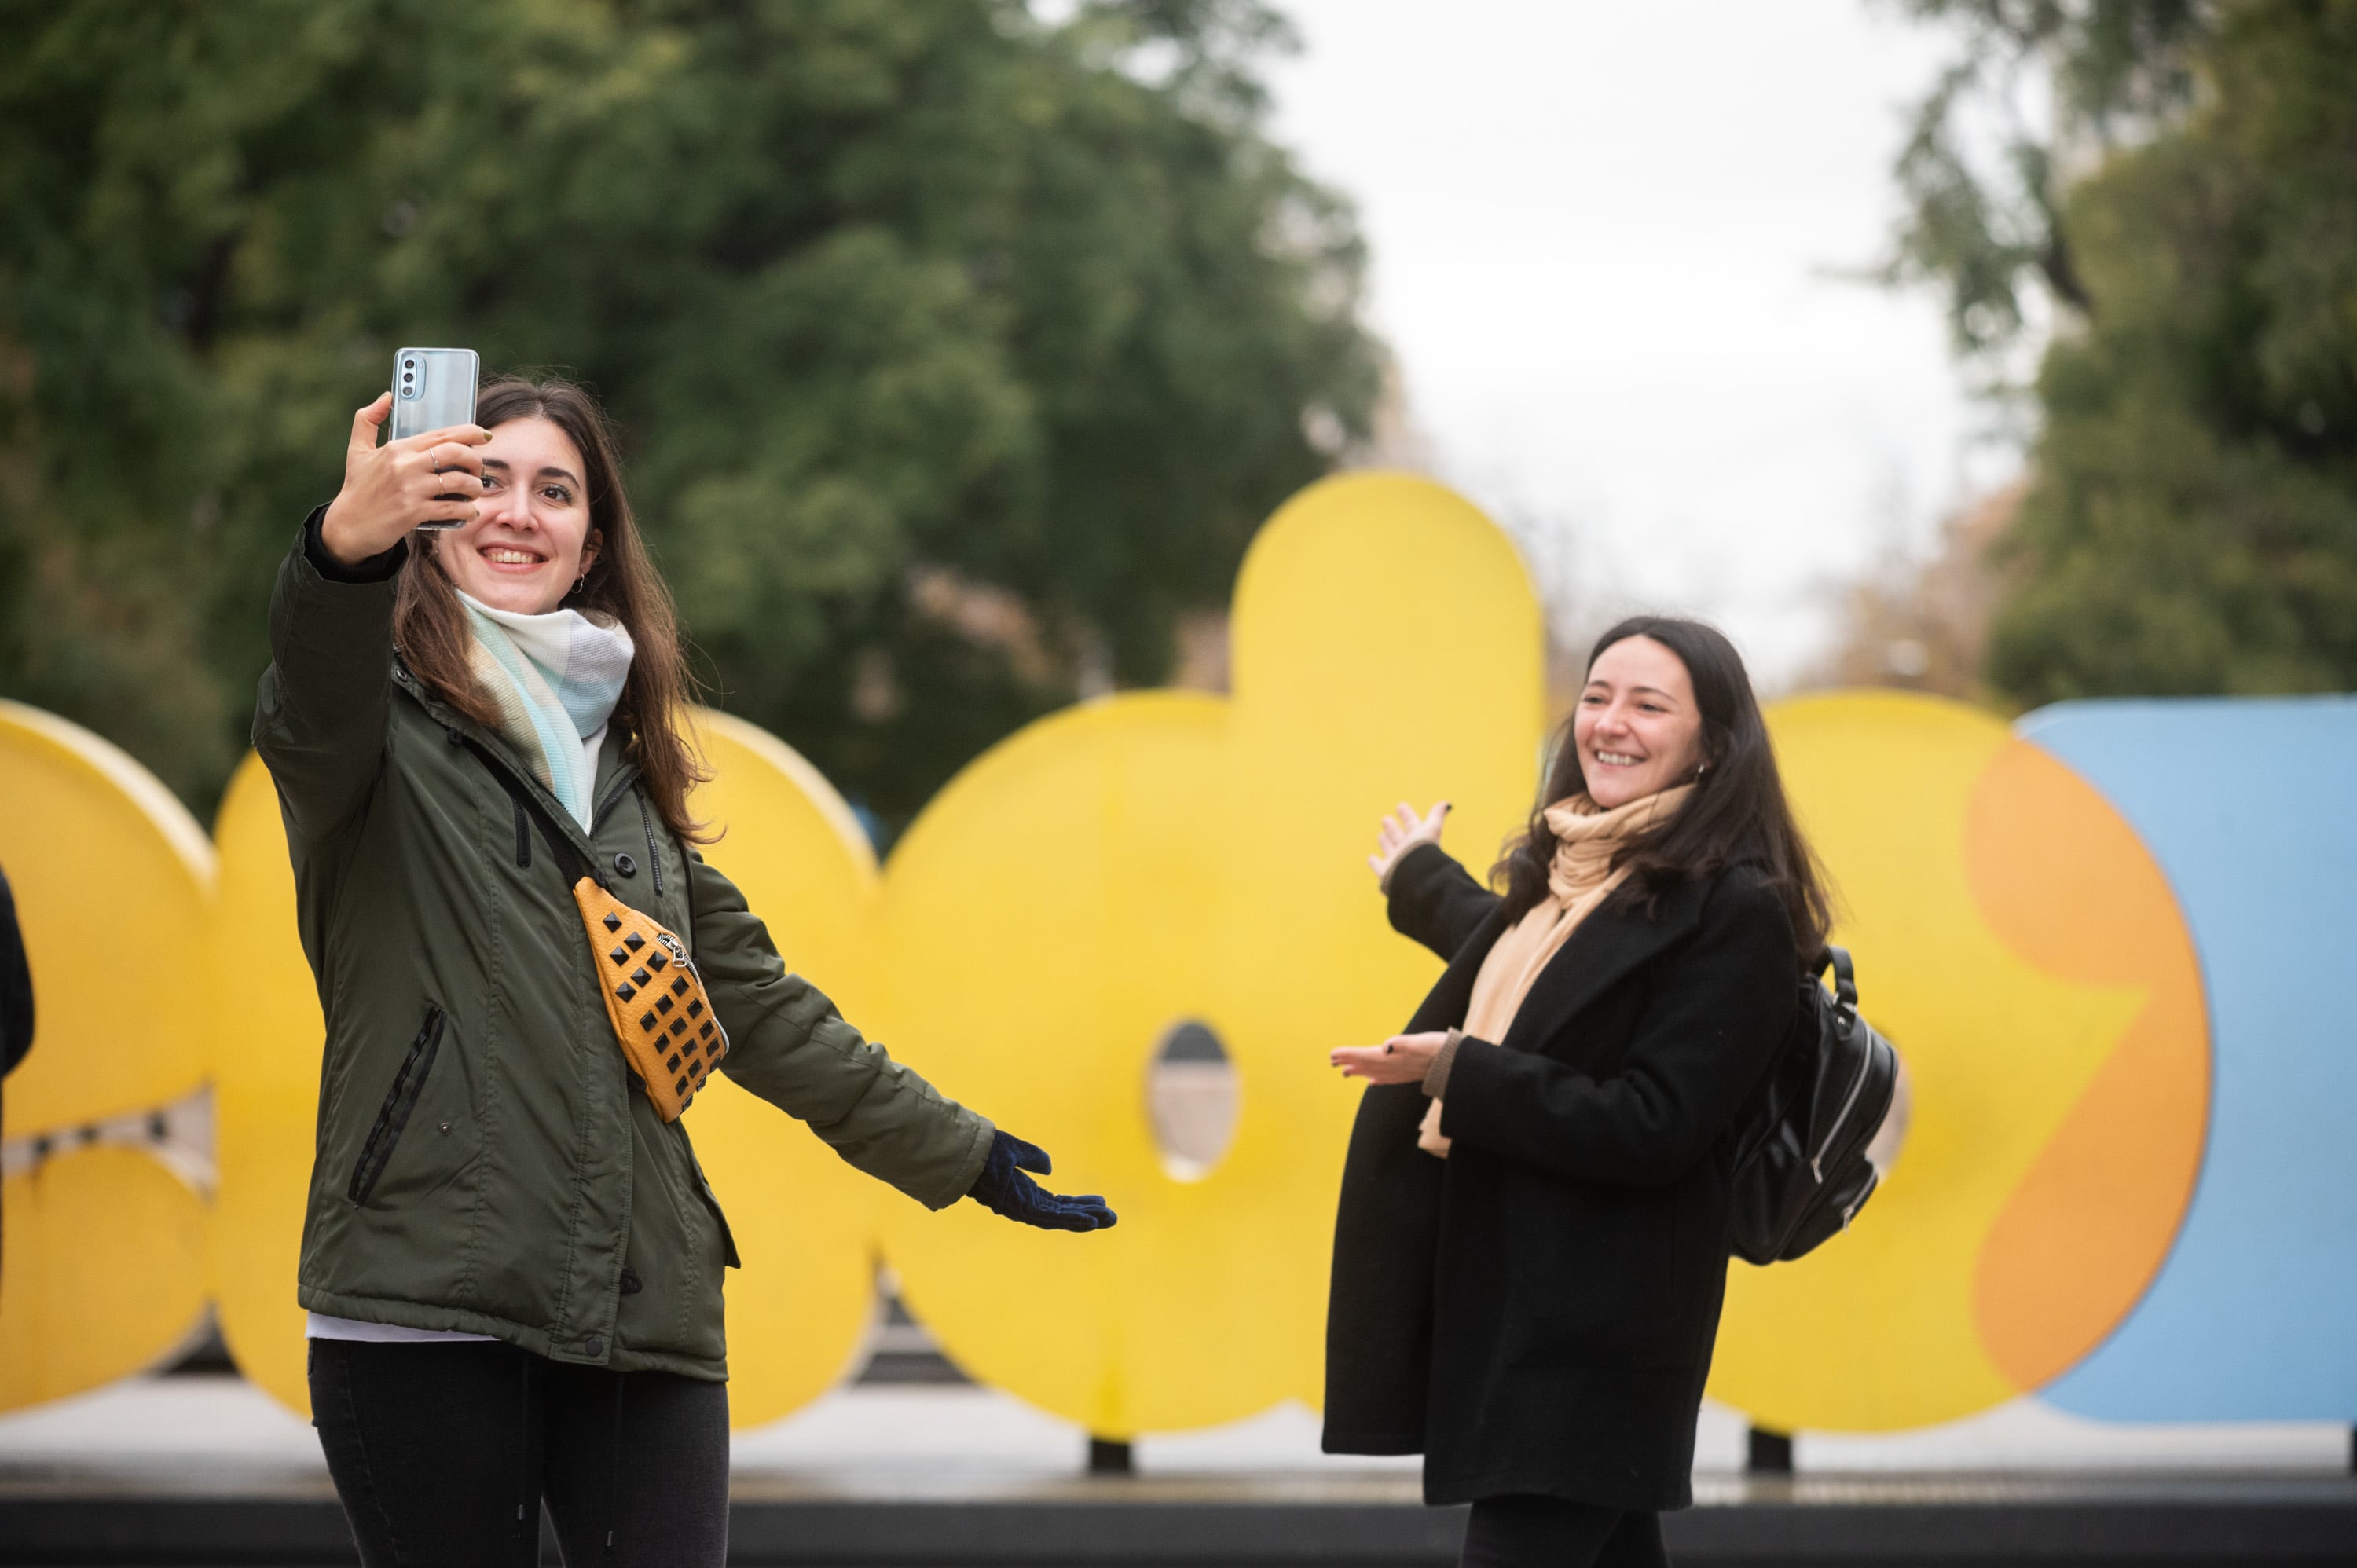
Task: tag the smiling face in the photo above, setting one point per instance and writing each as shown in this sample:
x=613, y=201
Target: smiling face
x=1638, y=728
x=531, y=537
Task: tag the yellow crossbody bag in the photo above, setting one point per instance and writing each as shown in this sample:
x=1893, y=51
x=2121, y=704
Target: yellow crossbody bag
x=655, y=999
x=661, y=1016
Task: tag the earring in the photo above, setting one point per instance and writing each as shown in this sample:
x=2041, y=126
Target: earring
x=578, y=581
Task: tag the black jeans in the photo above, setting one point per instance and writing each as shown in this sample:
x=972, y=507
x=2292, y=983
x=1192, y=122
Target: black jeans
x=442, y=1454
x=1548, y=1532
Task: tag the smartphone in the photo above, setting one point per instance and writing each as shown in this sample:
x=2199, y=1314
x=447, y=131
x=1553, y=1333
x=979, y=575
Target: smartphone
x=433, y=388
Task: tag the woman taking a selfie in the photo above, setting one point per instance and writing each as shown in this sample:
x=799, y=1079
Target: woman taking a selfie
x=511, y=1259
x=1531, y=1245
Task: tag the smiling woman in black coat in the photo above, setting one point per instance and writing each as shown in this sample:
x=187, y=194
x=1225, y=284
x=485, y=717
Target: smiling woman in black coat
x=1533, y=1310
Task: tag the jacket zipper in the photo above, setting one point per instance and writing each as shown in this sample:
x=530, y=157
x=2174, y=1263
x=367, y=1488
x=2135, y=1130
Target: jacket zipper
x=654, y=859
x=1849, y=1103
x=393, y=1116
x=459, y=736
x=622, y=780
x=453, y=725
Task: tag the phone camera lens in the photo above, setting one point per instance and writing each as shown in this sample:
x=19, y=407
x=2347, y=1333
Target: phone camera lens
x=408, y=364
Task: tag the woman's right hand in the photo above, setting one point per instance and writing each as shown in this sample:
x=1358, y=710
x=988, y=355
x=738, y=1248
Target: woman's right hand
x=390, y=490
x=1402, y=832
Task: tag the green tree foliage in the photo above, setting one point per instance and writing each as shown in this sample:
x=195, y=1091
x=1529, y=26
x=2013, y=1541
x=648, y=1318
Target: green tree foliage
x=2191, y=521
x=1982, y=169
x=883, y=294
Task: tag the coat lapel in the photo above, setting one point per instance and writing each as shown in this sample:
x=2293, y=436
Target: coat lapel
x=1444, y=1005
x=1607, y=945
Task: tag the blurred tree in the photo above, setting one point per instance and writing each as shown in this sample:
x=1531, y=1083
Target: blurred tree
x=886, y=295
x=2191, y=521
x=1922, y=624
x=1990, y=154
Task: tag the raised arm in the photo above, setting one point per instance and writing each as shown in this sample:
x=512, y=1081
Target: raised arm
x=320, y=715
x=1719, y=1011
x=1436, y=901
x=1433, y=900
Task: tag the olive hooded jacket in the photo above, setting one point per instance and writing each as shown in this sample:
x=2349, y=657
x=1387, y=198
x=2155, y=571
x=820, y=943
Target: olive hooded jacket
x=484, y=1161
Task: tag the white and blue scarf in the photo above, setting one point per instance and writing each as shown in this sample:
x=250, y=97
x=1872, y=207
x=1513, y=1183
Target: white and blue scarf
x=555, y=679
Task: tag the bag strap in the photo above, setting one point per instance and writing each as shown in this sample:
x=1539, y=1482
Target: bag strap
x=567, y=854
x=1845, y=979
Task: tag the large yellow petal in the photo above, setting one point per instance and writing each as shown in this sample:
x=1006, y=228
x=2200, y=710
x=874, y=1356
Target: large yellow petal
x=104, y=1272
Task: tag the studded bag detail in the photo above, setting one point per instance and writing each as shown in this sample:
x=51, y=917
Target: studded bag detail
x=661, y=1015
x=656, y=1000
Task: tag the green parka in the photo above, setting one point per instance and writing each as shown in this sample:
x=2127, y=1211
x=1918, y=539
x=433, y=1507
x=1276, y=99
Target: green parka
x=485, y=1163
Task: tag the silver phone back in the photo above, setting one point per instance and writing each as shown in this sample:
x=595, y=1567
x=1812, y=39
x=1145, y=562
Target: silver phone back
x=432, y=388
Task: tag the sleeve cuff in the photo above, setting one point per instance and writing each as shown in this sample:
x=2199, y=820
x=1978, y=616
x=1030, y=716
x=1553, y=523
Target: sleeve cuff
x=976, y=1161
x=1436, y=1077
x=377, y=568
x=1391, y=876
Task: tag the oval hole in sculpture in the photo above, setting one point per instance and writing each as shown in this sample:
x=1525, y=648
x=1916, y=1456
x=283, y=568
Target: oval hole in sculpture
x=1190, y=1099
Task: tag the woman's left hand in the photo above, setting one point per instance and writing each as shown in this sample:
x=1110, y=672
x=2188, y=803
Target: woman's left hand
x=1402, y=1058
x=1005, y=1190
x=1402, y=832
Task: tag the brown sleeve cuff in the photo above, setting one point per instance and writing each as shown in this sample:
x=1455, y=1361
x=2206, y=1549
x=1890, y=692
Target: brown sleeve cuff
x=1436, y=1077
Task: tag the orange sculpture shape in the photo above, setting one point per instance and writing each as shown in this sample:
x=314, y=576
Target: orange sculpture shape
x=2066, y=882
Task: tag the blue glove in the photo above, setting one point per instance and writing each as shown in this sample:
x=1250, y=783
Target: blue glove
x=1005, y=1190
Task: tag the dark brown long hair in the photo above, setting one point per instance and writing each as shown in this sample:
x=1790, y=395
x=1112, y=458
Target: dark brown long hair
x=1737, y=815
x=430, y=625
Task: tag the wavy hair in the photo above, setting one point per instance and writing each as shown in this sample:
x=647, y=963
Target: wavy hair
x=1738, y=814
x=430, y=625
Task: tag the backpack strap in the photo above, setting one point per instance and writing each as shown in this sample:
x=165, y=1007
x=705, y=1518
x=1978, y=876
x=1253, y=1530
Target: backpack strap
x=1845, y=979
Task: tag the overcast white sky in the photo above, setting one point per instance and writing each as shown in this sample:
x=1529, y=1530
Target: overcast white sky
x=1601, y=233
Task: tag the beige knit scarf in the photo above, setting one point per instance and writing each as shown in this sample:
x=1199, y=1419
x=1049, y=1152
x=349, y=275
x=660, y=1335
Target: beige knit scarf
x=1582, y=876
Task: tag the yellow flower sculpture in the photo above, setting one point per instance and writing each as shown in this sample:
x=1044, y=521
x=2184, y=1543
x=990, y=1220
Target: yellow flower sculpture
x=2017, y=943
x=114, y=884
x=1156, y=862
x=1159, y=858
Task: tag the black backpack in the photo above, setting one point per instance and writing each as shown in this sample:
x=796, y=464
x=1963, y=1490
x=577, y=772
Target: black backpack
x=1801, y=1170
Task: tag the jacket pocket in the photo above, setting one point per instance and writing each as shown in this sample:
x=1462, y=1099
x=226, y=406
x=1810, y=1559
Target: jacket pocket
x=393, y=1116
x=712, y=1201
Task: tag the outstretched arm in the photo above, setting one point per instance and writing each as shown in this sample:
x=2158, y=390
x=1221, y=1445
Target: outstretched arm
x=789, y=1045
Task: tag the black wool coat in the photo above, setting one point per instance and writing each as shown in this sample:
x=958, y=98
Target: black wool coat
x=1535, y=1314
